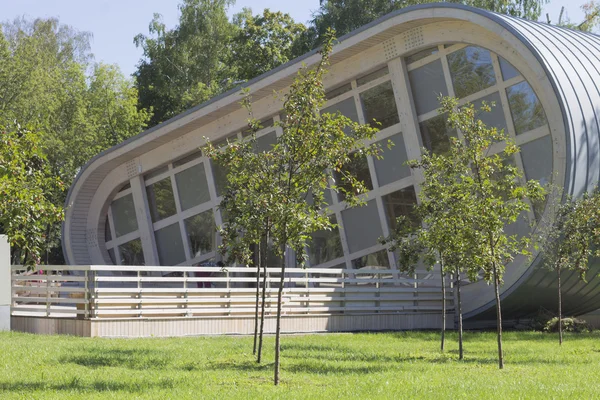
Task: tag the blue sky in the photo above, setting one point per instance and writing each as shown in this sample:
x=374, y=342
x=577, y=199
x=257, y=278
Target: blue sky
x=114, y=23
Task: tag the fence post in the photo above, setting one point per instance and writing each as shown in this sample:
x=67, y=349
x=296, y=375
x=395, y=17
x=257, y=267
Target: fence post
x=5, y=284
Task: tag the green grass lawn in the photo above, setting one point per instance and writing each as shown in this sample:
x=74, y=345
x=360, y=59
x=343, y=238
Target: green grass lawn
x=365, y=366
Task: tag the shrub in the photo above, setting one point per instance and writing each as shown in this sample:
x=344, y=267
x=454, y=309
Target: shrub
x=569, y=325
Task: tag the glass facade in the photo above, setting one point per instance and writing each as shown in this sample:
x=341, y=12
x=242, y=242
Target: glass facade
x=182, y=197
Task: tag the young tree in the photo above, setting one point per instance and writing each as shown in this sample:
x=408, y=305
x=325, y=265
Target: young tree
x=570, y=238
x=493, y=197
x=25, y=180
x=246, y=208
x=311, y=153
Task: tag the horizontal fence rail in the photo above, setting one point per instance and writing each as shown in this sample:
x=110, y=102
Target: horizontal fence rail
x=145, y=292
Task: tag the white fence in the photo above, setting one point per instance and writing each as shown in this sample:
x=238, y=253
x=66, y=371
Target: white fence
x=97, y=292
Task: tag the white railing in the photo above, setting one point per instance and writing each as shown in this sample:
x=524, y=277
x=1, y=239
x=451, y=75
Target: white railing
x=134, y=292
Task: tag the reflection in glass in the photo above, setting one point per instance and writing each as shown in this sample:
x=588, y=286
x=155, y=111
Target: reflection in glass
x=471, y=69
x=372, y=76
x=435, y=134
x=421, y=54
x=123, y=212
x=508, y=71
x=201, y=232
x=362, y=226
x=494, y=118
x=400, y=203
x=169, y=245
x=427, y=84
x=192, y=186
x=160, y=199
x=379, y=106
x=357, y=167
x=132, y=253
x=391, y=167
x=527, y=111
x=377, y=260
x=537, y=159
x=325, y=245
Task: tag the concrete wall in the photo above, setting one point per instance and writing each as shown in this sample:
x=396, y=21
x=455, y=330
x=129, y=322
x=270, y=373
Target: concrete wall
x=4, y=284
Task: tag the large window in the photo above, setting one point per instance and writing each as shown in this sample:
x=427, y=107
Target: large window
x=182, y=196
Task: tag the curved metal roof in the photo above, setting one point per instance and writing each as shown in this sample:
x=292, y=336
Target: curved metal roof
x=570, y=59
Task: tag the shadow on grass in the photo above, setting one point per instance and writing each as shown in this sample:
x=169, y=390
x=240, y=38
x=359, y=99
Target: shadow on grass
x=76, y=384
x=246, y=366
x=137, y=359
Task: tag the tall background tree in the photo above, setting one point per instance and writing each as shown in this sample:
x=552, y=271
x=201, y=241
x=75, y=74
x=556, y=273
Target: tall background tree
x=570, y=239
x=48, y=81
x=25, y=182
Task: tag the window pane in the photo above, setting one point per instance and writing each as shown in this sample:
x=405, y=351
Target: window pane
x=421, y=54
x=391, y=167
x=111, y=254
x=156, y=173
x=526, y=109
x=427, y=84
x=377, y=260
x=471, y=69
x=338, y=91
x=107, y=235
x=161, y=200
x=192, y=186
x=359, y=168
x=132, y=253
x=225, y=141
x=123, y=212
x=220, y=177
x=494, y=118
x=201, y=232
x=325, y=246
x=435, y=134
x=345, y=107
x=379, y=105
x=362, y=226
x=187, y=159
x=265, y=142
x=400, y=203
x=169, y=245
x=537, y=159
x=508, y=71
x=372, y=76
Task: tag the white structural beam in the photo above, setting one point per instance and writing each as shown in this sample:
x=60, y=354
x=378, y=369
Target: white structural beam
x=4, y=283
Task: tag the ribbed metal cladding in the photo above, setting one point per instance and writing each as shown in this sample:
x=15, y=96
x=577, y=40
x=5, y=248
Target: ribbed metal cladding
x=571, y=60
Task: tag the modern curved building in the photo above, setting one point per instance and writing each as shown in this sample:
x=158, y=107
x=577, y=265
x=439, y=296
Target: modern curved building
x=154, y=199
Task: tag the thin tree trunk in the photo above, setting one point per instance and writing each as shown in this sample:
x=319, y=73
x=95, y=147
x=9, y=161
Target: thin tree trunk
x=498, y=316
x=461, y=353
x=257, y=261
x=278, y=324
x=560, y=332
x=263, y=302
x=443, y=276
